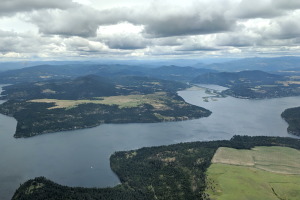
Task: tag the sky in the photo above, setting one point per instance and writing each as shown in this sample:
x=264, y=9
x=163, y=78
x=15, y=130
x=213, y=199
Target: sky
x=147, y=29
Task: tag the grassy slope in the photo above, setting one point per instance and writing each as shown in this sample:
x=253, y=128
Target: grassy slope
x=239, y=180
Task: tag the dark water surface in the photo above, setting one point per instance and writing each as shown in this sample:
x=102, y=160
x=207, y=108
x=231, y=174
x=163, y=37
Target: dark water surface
x=81, y=157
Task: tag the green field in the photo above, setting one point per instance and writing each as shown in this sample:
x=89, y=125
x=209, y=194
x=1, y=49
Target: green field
x=262, y=173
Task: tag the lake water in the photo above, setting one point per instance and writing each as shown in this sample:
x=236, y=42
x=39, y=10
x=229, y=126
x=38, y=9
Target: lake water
x=81, y=157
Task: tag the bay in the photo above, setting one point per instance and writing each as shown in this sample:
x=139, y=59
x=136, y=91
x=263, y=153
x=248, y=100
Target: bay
x=81, y=157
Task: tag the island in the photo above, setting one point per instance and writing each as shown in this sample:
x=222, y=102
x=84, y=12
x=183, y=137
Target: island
x=292, y=117
x=195, y=170
x=88, y=101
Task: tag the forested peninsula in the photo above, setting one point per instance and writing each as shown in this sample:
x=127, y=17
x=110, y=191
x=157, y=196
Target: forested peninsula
x=83, y=102
x=166, y=172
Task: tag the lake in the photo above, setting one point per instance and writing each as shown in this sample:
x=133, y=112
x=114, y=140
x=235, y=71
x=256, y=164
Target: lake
x=81, y=157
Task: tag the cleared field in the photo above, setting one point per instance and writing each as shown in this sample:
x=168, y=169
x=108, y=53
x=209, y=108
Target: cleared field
x=287, y=83
x=231, y=182
x=274, y=159
x=262, y=173
x=157, y=100
x=234, y=157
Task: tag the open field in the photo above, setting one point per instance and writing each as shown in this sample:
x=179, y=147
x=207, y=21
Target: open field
x=273, y=159
x=157, y=100
x=262, y=173
x=231, y=182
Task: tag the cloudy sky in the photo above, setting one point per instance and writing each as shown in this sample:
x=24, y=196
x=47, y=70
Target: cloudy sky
x=88, y=29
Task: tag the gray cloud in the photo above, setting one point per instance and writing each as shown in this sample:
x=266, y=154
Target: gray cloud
x=84, y=21
x=287, y=28
x=168, y=41
x=287, y=4
x=126, y=41
x=190, y=24
x=264, y=8
x=11, y=7
x=72, y=22
x=256, y=9
x=239, y=39
x=77, y=44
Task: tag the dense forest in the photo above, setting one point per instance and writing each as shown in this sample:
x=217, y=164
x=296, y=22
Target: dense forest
x=165, y=172
x=292, y=117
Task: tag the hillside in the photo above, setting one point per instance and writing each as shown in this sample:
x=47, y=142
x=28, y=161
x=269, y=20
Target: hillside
x=52, y=106
x=166, y=172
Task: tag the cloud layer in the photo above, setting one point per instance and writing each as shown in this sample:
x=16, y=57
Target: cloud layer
x=149, y=28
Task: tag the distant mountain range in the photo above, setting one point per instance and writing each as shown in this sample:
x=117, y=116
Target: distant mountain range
x=228, y=79
x=273, y=64
x=270, y=64
x=253, y=84
x=50, y=72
